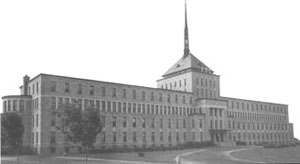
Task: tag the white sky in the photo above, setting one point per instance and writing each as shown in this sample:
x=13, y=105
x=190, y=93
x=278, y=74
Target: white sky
x=253, y=45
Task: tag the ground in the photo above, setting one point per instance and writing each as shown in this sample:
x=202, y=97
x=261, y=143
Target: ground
x=282, y=155
x=215, y=155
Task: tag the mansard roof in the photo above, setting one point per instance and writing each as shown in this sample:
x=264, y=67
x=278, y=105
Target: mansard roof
x=188, y=62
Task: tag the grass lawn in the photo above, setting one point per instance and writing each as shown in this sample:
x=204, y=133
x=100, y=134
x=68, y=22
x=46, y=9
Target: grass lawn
x=212, y=155
x=279, y=155
x=155, y=156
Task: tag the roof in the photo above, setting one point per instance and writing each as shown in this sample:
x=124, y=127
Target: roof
x=129, y=85
x=188, y=62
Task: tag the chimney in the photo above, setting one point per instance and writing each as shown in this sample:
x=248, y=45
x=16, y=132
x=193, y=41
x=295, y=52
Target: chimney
x=25, y=84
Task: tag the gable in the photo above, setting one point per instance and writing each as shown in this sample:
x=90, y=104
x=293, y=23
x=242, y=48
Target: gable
x=186, y=63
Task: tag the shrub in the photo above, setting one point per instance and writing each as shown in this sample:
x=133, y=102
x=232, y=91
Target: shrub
x=25, y=150
x=239, y=143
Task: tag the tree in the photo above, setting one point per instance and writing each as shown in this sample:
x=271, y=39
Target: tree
x=81, y=126
x=12, y=130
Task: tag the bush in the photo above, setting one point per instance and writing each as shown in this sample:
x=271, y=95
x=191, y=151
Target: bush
x=240, y=143
x=141, y=154
x=198, y=144
x=270, y=145
x=25, y=150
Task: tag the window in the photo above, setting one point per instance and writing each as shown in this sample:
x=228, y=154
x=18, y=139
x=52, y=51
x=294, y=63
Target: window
x=4, y=106
x=161, y=136
x=184, y=124
x=201, y=136
x=124, y=122
x=152, y=123
x=134, y=94
x=36, y=137
x=37, y=87
x=143, y=122
x=114, y=121
x=114, y=104
x=161, y=123
x=108, y=106
x=103, y=137
x=79, y=89
x=114, y=137
x=14, y=105
x=37, y=120
x=21, y=108
x=193, y=124
x=177, y=136
x=103, y=91
x=134, y=122
x=91, y=90
x=53, y=103
x=152, y=96
x=176, y=98
x=124, y=137
x=169, y=98
x=114, y=92
x=97, y=105
x=102, y=119
x=53, y=120
x=170, y=137
x=129, y=107
x=144, y=136
x=152, y=136
x=200, y=124
x=134, y=108
x=134, y=137
x=67, y=87
x=193, y=136
x=177, y=124
x=33, y=89
x=143, y=95
x=169, y=125
x=160, y=97
x=124, y=93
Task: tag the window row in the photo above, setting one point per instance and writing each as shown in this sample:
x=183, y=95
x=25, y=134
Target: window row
x=150, y=122
x=206, y=93
x=256, y=107
x=206, y=83
x=149, y=136
x=33, y=88
x=255, y=116
x=256, y=126
x=174, y=85
x=257, y=136
x=121, y=107
x=125, y=93
x=13, y=105
x=216, y=112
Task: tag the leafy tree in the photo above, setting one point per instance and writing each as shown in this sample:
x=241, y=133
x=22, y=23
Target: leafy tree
x=81, y=126
x=12, y=130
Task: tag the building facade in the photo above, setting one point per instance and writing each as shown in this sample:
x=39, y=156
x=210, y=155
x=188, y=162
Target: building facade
x=185, y=107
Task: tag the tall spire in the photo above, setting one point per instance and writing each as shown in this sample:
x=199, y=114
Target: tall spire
x=186, y=35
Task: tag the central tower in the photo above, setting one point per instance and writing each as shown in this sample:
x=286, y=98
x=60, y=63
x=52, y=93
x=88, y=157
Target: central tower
x=190, y=74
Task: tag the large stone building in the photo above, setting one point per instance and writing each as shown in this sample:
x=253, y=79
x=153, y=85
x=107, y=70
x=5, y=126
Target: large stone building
x=185, y=107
